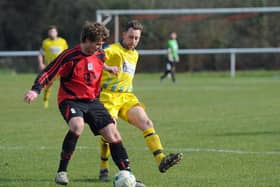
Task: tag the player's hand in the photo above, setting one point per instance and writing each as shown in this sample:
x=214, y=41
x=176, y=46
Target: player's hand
x=30, y=96
x=112, y=69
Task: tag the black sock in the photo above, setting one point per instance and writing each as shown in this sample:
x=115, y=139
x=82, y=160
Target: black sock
x=68, y=148
x=120, y=156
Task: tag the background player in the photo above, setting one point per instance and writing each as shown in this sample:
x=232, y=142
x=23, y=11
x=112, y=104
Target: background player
x=80, y=69
x=118, y=98
x=172, y=56
x=50, y=49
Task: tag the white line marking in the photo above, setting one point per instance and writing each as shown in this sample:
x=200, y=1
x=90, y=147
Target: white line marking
x=226, y=151
x=213, y=150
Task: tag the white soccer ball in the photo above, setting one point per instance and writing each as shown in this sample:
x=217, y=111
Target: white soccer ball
x=124, y=178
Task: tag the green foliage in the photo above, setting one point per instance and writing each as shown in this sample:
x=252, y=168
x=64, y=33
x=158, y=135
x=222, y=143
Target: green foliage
x=24, y=25
x=228, y=130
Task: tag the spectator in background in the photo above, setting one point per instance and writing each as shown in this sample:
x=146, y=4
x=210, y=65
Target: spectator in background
x=50, y=49
x=173, y=57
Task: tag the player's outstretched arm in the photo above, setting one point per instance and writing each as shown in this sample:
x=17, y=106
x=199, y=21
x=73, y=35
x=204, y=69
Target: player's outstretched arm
x=30, y=96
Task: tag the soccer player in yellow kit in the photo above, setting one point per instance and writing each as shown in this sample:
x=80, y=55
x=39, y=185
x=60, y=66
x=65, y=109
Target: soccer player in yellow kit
x=118, y=98
x=50, y=49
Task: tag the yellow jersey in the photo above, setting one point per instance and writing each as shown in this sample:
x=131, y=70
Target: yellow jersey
x=126, y=60
x=52, y=48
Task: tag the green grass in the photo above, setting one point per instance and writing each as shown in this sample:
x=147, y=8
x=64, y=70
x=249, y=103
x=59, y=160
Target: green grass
x=228, y=130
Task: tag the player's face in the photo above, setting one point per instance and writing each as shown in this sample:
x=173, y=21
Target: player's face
x=131, y=38
x=89, y=47
x=53, y=33
x=173, y=35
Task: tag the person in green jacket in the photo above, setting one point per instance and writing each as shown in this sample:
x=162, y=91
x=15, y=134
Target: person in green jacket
x=172, y=56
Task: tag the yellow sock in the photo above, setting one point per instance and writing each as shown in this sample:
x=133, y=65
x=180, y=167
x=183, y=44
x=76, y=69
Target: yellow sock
x=154, y=144
x=47, y=93
x=47, y=96
x=104, y=154
x=46, y=104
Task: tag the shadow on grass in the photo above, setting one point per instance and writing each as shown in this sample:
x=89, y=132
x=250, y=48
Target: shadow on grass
x=87, y=180
x=28, y=180
x=249, y=133
x=2, y=180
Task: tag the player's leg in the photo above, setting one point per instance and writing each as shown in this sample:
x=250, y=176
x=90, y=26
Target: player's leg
x=101, y=122
x=118, y=151
x=108, y=99
x=104, y=160
x=47, y=92
x=173, y=70
x=166, y=72
x=138, y=117
x=76, y=125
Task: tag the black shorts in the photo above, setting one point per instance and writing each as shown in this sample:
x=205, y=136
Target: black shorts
x=93, y=112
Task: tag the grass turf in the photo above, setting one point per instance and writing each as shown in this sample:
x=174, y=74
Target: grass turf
x=228, y=130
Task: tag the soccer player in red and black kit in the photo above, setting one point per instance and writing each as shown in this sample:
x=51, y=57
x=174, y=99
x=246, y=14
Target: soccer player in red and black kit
x=80, y=69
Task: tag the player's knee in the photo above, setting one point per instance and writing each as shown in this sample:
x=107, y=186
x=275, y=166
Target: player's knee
x=77, y=131
x=115, y=137
x=149, y=123
x=144, y=124
x=77, y=128
x=111, y=134
x=114, y=140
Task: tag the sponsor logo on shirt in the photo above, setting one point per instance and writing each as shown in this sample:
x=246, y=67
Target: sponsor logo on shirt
x=90, y=66
x=129, y=68
x=73, y=111
x=55, y=49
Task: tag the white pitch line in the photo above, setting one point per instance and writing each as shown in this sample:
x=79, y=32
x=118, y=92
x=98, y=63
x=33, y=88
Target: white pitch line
x=226, y=151
x=213, y=150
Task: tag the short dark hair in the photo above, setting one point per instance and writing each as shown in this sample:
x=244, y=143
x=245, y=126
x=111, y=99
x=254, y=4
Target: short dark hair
x=135, y=24
x=52, y=27
x=94, y=31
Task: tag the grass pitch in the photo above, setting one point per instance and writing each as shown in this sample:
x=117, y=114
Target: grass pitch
x=228, y=130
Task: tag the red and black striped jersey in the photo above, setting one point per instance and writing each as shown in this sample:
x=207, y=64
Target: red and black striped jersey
x=80, y=74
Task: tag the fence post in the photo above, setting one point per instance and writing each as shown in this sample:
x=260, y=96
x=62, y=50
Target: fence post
x=117, y=28
x=232, y=64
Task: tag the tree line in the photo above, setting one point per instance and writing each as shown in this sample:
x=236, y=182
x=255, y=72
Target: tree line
x=24, y=25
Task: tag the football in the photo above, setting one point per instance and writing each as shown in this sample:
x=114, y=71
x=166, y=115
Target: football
x=124, y=178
